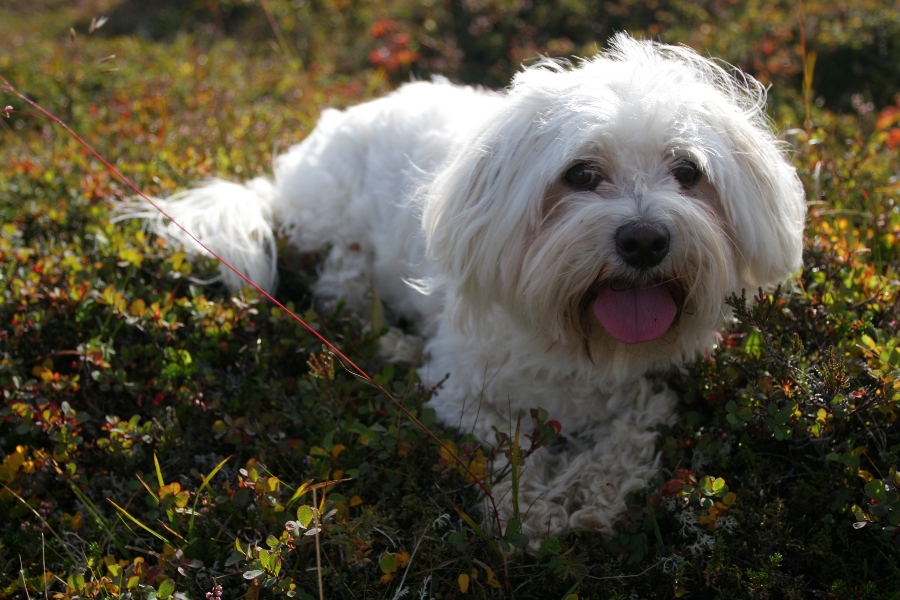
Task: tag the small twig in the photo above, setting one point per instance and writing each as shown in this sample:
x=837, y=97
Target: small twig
x=412, y=556
x=75, y=59
x=807, y=76
x=44, y=562
x=22, y=575
x=641, y=574
x=318, y=527
x=282, y=43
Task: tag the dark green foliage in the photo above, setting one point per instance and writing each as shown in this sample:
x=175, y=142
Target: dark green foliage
x=160, y=438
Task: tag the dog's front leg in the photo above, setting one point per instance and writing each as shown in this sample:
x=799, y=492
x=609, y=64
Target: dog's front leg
x=583, y=481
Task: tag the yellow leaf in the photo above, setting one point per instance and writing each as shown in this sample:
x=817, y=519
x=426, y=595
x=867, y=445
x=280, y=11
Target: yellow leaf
x=463, y=582
x=108, y=296
x=168, y=551
x=272, y=484
x=355, y=501
x=402, y=558
x=72, y=522
x=130, y=255
x=479, y=467
x=337, y=450
x=170, y=489
x=710, y=518
x=13, y=463
x=137, y=307
x=253, y=592
x=448, y=452
x=177, y=259
x=492, y=579
x=865, y=475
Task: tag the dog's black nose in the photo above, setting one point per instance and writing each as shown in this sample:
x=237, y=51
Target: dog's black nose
x=642, y=245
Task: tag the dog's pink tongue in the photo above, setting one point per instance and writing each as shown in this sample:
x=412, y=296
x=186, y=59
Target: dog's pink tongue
x=636, y=315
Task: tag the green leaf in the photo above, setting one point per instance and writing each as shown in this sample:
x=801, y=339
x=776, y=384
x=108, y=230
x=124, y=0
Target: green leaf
x=875, y=489
x=304, y=515
x=551, y=546
x=387, y=563
x=514, y=534
x=850, y=460
x=891, y=357
x=719, y=487
x=75, y=582
x=427, y=417
x=754, y=344
x=266, y=559
x=165, y=589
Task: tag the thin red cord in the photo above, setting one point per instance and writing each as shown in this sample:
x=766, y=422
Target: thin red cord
x=357, y=370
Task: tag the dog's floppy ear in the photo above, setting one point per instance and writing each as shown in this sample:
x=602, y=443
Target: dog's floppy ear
x=465, y=237
x=761, y=193
x=481, y=205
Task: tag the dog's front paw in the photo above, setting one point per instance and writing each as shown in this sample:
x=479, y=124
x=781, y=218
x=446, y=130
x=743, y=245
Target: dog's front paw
x=398, y=347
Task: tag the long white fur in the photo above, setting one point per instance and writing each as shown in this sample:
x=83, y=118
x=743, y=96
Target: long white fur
x=448, y=201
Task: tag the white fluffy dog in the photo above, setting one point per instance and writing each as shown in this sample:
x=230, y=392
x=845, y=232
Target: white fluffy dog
x=552, y=244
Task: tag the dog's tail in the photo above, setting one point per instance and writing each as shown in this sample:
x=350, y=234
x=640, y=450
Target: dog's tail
x=233, y=220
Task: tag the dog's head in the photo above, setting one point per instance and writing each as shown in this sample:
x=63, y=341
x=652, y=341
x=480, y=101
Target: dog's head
x=611, y=207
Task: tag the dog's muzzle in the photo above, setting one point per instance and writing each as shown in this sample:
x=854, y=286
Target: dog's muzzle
x=637, y=310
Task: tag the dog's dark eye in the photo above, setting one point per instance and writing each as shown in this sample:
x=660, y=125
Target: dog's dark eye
x=686, y=173
x=583, y=177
